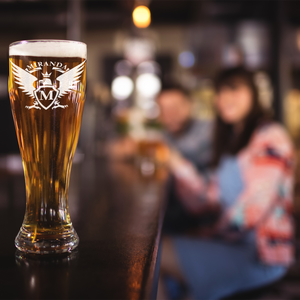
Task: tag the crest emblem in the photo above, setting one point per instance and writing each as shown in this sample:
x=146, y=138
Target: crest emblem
x=47, y=95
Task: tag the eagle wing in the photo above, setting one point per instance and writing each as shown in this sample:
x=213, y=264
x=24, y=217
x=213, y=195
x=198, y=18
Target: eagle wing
x=24, y=79
x=69, y=78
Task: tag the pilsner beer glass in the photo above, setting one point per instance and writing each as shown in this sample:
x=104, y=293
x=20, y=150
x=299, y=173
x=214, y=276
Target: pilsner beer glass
x=47, y=93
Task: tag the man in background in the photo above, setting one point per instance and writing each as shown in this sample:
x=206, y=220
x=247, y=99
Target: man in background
x=192, y=138
x=184, y=133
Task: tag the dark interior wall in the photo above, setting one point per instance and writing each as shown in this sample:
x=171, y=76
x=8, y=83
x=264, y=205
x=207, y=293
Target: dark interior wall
x=8, y=139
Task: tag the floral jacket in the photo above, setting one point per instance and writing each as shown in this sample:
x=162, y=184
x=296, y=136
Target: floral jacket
x=265, y=202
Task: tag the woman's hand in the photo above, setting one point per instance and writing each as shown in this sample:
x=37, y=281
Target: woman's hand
x=176, y=161
x=189, y=183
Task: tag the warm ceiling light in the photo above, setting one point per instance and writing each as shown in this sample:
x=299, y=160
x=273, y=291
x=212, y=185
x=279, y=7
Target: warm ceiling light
x=141, y=16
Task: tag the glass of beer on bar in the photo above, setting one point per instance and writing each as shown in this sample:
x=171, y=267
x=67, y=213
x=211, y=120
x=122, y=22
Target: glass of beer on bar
x=47, y=92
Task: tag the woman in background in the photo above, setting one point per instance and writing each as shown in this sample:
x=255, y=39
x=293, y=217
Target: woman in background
x=252, y=184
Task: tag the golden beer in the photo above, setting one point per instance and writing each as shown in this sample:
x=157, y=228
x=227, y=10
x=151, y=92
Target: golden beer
x=47, y=93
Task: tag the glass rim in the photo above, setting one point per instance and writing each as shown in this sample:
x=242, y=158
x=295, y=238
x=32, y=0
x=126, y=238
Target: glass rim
x=48, y=48
x=44, y=41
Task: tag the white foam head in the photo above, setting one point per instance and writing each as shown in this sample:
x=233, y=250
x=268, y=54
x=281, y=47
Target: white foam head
x=48, y=48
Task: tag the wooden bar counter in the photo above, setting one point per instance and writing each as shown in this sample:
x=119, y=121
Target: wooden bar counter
x=118, y=216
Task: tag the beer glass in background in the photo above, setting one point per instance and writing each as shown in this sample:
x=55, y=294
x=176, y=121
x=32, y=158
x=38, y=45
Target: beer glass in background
x=152, y=152
x=47, y=93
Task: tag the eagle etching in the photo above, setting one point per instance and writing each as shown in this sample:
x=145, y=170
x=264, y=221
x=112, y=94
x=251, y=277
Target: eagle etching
x=26, y=81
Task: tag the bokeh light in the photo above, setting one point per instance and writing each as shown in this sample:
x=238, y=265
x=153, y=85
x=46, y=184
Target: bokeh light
x=148, y=85
x=186, y=59
x=150, y=108
x=123, y=67
x=148, y=67
x=122, y=87
x=141, y=16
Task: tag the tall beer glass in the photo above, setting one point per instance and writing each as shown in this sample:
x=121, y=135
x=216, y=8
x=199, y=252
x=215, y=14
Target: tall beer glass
x=47, y=93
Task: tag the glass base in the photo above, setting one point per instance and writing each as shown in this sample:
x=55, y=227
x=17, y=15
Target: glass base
x=46, y=244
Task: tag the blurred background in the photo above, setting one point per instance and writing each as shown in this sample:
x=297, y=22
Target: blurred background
x=135, y=47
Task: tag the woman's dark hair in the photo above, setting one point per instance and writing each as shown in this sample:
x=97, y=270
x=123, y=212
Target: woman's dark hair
x=224, y=140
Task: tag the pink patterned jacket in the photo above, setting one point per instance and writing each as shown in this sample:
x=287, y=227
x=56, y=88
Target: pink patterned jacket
x=265, y=203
